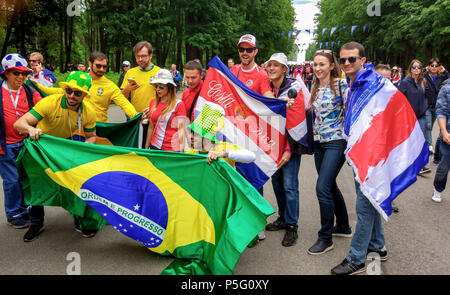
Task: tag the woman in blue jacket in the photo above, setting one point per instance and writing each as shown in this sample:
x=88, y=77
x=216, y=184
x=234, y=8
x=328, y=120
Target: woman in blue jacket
x=413, y=87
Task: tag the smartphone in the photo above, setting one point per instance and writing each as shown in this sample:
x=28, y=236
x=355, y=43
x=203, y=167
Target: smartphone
x=131, y=80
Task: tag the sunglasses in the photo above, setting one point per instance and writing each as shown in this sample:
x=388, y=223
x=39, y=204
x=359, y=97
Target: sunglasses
x=18, y=73
x=351, y=59
x=75, y=92
x=101, y=66
x=160, y=86
x=416, y=67
x=434, y=65
x=248, y=50
x=34, y=60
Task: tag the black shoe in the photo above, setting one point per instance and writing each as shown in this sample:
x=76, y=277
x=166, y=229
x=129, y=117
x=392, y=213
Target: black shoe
x=424, y=170
x=18, y=223
x=320, y=247
x=395, y=209
x=33, y=232
x=290, y=237
x=339, y=231
x=382, y=253
x=276, y=225
x=348, y=268
x=436, y=162
x=87, y=233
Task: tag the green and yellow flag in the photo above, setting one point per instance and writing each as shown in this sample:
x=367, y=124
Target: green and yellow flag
x=173, y=203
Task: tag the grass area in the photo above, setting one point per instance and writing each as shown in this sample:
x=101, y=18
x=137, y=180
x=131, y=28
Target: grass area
x=62, y=77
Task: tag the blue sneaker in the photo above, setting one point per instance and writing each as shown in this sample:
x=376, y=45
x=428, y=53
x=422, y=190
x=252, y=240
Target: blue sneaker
x=18, y=223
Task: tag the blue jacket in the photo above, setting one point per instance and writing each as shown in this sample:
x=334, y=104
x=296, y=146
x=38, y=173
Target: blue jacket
x=415, y=95
x=443, y=104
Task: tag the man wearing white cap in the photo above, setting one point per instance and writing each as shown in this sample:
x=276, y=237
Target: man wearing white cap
x=248, y=72
x=125, y=66
x=285, y=180
x=16, y=99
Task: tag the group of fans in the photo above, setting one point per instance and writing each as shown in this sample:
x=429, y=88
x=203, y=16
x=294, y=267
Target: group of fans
x=84, y=98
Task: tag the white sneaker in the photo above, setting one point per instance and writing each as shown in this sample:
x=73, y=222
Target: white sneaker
x=261, y=235
x=436, y=196
x=431, y=149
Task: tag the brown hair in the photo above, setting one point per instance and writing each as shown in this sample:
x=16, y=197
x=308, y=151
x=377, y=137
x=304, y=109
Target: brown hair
x=141, y=44
x=382, y=67
x=355, y=45
x=193, y=65
x=420, y=75
x=335, y=74
x=97, y=55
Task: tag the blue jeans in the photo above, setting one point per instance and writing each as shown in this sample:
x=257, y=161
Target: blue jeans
x=329, y=158
x=437, y=153
x=430, y=117
x=285, y=186
x=12, y=186
x=423, y=124
x=440, y=179
x=369, y=233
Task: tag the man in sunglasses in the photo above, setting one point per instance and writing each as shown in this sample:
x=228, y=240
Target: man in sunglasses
x=16, y=99
x=61, y=115
x=434, y=83
x=40, y=74
x=369, y=235
x=248, y=72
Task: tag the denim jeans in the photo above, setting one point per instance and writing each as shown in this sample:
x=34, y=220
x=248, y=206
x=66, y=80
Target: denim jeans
x=437, y=152
x=423, y=125
x=369, y=233
x=430, y=117
x=329, y=158
x=285, y=186
x=12, y=186
x=440, y=179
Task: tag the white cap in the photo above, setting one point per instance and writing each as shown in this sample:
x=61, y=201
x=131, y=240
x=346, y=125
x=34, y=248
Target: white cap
x=126, y=63
x=279, y=57
x=249, y=39
x=163, y=76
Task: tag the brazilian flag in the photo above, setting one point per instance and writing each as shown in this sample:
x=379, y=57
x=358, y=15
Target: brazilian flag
x=172, y=203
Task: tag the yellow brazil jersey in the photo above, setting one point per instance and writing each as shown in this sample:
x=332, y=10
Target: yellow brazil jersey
x=141, y=97
x=53, y=116
x=102, y=92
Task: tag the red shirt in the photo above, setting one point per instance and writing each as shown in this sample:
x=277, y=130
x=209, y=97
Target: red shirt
x=256, y=79
x=188, y=98
x=9, y=113
x=165, y=127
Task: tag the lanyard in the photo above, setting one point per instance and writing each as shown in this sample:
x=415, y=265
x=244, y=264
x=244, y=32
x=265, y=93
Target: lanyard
x=79, y=123
x=16, y=100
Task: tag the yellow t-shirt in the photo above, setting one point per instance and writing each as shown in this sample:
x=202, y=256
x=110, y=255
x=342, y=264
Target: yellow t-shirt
x=102, y=92
x=53, y=116
x=141, y=97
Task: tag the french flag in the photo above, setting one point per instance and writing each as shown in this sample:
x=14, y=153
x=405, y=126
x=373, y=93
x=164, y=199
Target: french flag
x=250, y=120
x=385, y=147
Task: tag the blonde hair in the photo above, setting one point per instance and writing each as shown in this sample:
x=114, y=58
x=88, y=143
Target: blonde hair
x=38, y=55
x=335, y=74
x=171, y=100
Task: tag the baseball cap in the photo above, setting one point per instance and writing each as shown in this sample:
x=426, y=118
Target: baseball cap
x=249, y=39
x=395, y=68
x=14, y=61
x=163, y=76
x=279, y=57
x=126, y=63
